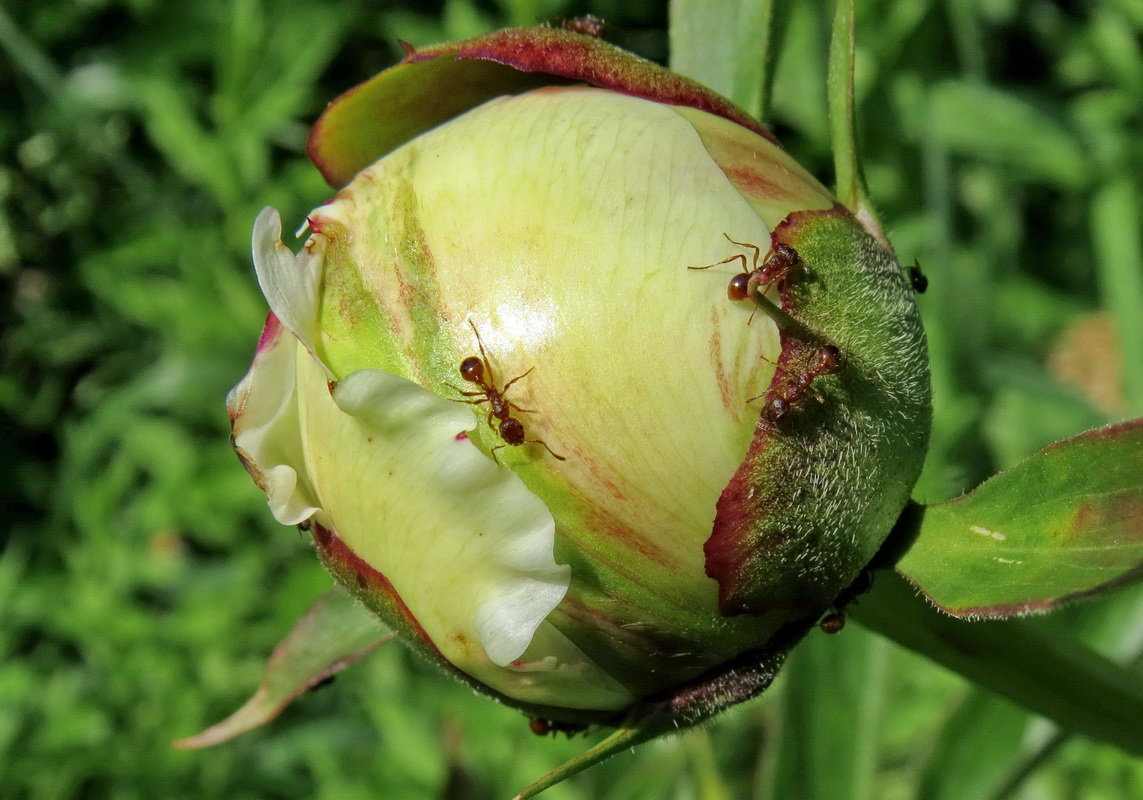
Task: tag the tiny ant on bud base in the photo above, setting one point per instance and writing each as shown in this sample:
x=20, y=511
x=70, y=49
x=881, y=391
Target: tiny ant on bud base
x=543, y=727
x=834, y=621
x=478, y=370
x=793, y=387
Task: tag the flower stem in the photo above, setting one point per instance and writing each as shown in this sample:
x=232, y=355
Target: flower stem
x=1061, y=679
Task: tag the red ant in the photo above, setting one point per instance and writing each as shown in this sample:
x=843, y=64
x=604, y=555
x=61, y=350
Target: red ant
x=479, y=371
x=543, y=727
x=775, y=268
x=834, y=621
x=791, y=392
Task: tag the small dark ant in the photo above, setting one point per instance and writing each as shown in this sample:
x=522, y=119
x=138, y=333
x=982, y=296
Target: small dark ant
x=917, y=278
x=588, y=24
x=479, y=371
x=793, y=391
x=543, y=727
x=832, y=623
x=774, y=269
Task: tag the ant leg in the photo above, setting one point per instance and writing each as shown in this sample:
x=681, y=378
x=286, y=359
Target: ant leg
x=725, y=261
x=545, y=444
x=522, y=410
x=479, y=402
x=768, y=425
x=518, y=377
x=458, y=390
x=483, y=355
x=757, y=251
x=492, y=452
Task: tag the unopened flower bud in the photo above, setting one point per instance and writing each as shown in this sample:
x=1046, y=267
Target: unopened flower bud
x=504, y=386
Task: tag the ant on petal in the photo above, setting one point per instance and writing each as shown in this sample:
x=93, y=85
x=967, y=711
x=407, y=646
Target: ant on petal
x=478, y=370
x=774, y=269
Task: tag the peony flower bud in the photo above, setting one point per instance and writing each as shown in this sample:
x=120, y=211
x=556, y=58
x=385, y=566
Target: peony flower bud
x=506, y=387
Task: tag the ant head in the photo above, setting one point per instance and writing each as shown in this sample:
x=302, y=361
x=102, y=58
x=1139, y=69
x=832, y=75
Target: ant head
x=777, y=407
x=472, y=369
x=784, y=255
x=778, y=263
x=512, y=430
x=739, y=288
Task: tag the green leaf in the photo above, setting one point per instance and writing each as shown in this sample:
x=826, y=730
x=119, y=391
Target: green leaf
x=1118, y=238
x=987, y=124
x=1023, y=660
x=330, y=636
x=1065, y=523
x=834, y=694
x=724, y=44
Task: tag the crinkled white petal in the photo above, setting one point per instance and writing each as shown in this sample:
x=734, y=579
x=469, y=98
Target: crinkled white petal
x=289, y=282
x=264, y=407
x=489, y=541
x=288, y=505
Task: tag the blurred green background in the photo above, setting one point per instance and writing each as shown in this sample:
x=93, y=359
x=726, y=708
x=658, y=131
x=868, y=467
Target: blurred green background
x=142, y=581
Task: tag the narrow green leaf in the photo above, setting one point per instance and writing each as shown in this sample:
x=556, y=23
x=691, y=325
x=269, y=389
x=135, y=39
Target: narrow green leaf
x=724, y=44
x=1052, y=675
x=974, y=750
x=709, y=780
x=986, y=124
x=330, y=636
x=1065, y=523
x=831, y=708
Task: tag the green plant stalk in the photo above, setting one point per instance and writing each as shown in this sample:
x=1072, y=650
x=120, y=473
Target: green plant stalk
x=1061, y=679
x=850, y=183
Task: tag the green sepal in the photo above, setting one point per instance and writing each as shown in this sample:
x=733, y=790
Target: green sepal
x=684, y=706
x=431, y=86
x=830, y=477
x=1065, y=523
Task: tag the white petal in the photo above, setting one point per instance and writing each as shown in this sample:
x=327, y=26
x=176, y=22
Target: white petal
x=289, y=282
x=264, y=409
x=288, y=505
x=490, y=536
